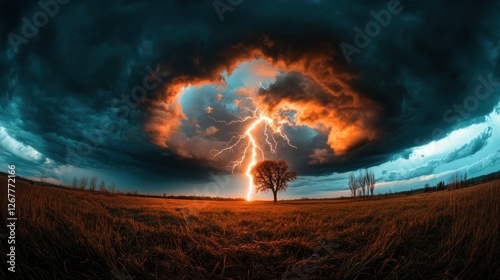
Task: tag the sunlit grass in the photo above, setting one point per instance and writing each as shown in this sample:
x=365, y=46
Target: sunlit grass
x=69, y=234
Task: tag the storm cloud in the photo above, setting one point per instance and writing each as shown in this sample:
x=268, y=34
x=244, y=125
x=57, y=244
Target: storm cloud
x=469, y=149
x=100, y=85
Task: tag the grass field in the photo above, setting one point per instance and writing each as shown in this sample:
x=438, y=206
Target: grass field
x=70, y=234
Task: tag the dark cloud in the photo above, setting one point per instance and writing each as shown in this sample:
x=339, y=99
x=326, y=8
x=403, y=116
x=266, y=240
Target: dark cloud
x=487, y=162
x=69, y=79
x=421, y=170
x=470, y=148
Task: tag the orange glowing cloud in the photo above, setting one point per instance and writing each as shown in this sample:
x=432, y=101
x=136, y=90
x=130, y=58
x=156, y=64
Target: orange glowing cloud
x=165, y=121
x=263, y=69
x=345, y=126
x=211, y=130
x=320, y=156
x=320, y=97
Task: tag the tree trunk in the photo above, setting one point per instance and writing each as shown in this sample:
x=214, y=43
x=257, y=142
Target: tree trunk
x=275, y=197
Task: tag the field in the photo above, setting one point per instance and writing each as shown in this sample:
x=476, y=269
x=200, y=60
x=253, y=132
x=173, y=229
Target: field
x=71, y=234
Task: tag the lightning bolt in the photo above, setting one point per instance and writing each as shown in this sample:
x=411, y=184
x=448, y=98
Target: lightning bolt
x=272, y=127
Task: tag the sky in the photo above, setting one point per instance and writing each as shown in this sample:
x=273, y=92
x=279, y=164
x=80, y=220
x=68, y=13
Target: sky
x=157, y=96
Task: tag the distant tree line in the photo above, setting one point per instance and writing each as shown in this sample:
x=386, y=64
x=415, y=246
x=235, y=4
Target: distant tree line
x=199, y=197
x=362, y=185
x=457, y=180
x=85, y=184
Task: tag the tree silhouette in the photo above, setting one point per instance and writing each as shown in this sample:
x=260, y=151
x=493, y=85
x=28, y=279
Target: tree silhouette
x=75, y=183
x=102, y=186
x=271, y=175
x=83, y=182
x=457, y=180
x=93, y=183
x=112, y=187
x=353, y=184
x=43, y=177
x=370, y=180
x=441, y=186
x=365, y=182
x=362, y=182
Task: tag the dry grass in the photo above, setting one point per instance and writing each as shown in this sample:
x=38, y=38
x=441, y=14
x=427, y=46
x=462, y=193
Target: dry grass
x=68, y=234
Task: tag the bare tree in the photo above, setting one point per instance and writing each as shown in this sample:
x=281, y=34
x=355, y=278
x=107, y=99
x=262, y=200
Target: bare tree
x=271, y=175
x=362, y=182
x=112, y=187
x=371, y=181
x=353, y=184
x=102, y=186
x=43, y=177
x=453, y=181
x=75, y=183
x=93, y=183
x=457, y=180
x=83, y=182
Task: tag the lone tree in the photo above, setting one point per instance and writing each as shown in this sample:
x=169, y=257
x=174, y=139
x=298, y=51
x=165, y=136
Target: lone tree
x=271, y=175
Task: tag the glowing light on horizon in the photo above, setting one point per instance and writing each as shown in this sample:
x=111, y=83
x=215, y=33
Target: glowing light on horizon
x=252, y=147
